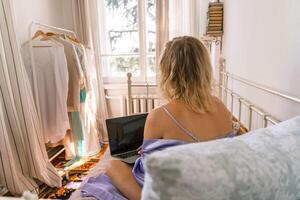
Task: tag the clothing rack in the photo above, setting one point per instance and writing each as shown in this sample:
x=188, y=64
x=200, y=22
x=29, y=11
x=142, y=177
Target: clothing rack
x=36, y=26
x=49, y=27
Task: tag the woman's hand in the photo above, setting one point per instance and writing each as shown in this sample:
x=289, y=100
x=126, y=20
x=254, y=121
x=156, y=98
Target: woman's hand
x=139, y=150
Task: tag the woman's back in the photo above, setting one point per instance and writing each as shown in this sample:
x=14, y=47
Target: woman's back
x=177, y=121
x=193, y=113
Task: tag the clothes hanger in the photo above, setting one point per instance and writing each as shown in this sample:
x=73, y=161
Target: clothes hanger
x=51, y=34
x=43, y=36
x=74, y=39
x=38, y=34
x=67, y=38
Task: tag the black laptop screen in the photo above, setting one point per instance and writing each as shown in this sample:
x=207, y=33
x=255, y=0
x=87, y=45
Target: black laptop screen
x=125, y=133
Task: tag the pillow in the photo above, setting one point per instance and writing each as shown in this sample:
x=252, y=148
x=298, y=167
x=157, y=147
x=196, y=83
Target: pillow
x=262, y=164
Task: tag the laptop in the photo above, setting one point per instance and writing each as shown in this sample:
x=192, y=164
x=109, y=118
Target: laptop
x=125, y=136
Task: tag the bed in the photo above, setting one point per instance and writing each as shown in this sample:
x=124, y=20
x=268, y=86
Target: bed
x=243, y=111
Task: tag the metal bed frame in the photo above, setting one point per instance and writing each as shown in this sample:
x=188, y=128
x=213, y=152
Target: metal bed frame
x=223, y=91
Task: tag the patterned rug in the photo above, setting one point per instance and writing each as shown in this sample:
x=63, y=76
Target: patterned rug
x=72, y=176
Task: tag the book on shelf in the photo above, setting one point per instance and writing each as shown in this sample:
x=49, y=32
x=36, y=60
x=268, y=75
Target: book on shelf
x=215, y=21
x=216, y=3
x=215, y=15
x=215, y=25
x=216, y=6
x=215, y=12
x=215, y=29
x=214, y=32
x=215, y=18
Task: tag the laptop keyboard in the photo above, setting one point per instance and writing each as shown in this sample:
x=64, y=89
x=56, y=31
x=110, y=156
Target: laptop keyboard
x=128, y=154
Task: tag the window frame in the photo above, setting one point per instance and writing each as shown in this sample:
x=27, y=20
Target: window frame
x=143, y=54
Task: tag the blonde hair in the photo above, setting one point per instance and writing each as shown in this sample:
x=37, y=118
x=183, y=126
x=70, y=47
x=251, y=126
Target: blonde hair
x=186, y=73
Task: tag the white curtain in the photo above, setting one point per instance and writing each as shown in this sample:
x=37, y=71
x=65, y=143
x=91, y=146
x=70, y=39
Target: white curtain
x=162, y=28
x=162, y=36
x=184, y=18
x=86, y=23
x=22, y=150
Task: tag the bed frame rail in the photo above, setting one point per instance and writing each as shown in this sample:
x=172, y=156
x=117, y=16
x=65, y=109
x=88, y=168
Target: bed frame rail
x=225, y=94
x=140, y=103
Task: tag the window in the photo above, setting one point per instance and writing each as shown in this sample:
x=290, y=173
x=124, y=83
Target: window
x=128, y=39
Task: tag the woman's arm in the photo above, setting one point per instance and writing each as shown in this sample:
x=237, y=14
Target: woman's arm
x=154, y=126
x=121, y=173
x=122, y=177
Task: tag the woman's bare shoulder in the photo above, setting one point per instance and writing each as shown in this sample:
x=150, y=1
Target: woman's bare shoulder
x=219, y=104
x=223, y=113
x=154, y=124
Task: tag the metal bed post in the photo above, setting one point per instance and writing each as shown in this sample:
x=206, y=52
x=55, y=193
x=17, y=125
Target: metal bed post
x=231, y=103
x=265, y=123
x=240, y=109
x=250, y=117
x=221, y=68
x=129, y=83
x=225, y=88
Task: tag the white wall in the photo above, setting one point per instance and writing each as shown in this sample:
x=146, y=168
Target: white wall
x=262, y=44
x=52, y=12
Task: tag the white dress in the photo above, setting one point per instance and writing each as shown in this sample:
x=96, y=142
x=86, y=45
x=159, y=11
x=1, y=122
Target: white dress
x=51, y=86
x=88, y=110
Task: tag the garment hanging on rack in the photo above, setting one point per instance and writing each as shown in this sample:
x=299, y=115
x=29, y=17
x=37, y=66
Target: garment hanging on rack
x=88, y=108
x=52, y=85
x=81, y=53
x=76, y=77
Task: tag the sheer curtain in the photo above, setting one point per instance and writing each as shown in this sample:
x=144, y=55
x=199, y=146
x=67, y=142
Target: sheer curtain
x=162, y=28
x=86, y=24
x=184, y=18
x=22, y=150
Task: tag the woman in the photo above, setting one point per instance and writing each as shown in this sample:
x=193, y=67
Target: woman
x=192, y=114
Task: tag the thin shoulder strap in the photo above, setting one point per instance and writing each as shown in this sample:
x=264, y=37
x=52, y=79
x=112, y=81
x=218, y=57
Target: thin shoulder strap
x=179, y=125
